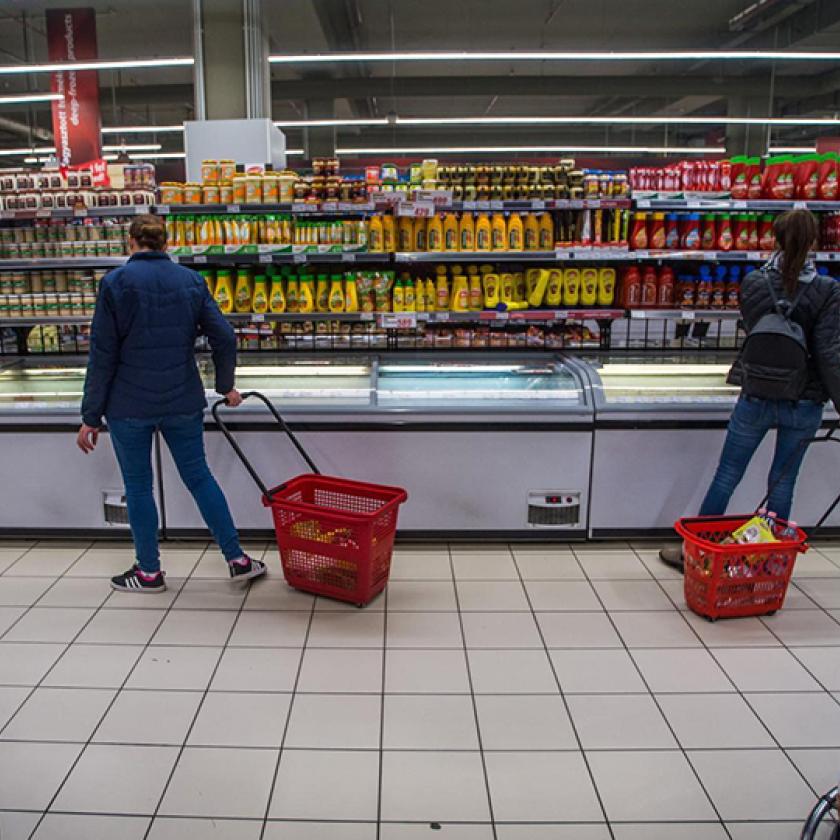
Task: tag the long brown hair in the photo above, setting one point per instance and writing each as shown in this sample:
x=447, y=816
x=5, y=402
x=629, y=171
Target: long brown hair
x=796, y=234
x=148, y=231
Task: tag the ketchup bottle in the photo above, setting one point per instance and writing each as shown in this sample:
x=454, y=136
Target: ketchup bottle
x=690, y=239
x=649, y=287
x=708, y=237
x=638, y=233
x=753, y=231
x=724, y=237
x=766, y=237
x=672, y=231
x=665, y=288
x=631, y=286
x=719, y=287
x=685, y=291
x=733, y=287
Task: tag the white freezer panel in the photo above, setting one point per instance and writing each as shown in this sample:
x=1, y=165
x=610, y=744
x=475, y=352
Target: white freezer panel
x=471, y=481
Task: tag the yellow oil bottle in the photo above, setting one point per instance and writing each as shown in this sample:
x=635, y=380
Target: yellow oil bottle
x=335, y=301
x=483, y=239
x=409, y=300
x=398, y=296
x=546, y=233
x=306, y=295
x=460, y=293
x=276, y=297
x=554, y=290
x=405, y=233
x=419, y=294
x=351, y=294
x=451, y=240
x=322, y=294
x=375, y=234
x=490, y=282
x=498, y=233
x=442, y=293
x=292, y=294
x=259, y=302
x=419, y=228
x=514, y=232
x=606, y=286
x=434, y=233
x=466, y=232
x=389, y=234
x=532, y=232
x=589, y=286
x=532, y=276
x=431, y=295
x=223, y=293
x=476, y=293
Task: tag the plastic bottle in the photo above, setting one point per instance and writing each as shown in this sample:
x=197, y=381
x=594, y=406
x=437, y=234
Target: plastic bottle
x=554, y=287
x=498, y=233
x=733, y=288
x=409, y=299
x=507, y=292
x=649, y=289
x=741, y=238
x=672, y=231
x=752, y=231
x=520, y=287
x=431, y=295
x=532, y=276
x=483, y=239
x=708, y=236
x=351, y=293
x=665, y=288
x=704, y=288
x=322, y=294
x=690, y=237
x=389, y=234
x=223, y=293
x=476, y=295
x=686, y=291
x=419, y=294
x=725, y=239
x=442, y=293
x=259, y=301
x=546, y=232
x=589, y=285
x=638, y=232
x=766, y=237
x=532, y=232
x=656, y=231
x=276, y=298
x=292, y=294
x=536, y=292
x=606, y=286
x=571, y=286
x=451, y=240
x=335, y=301
x=243, y=294
x=466, y=232
x=631, y=287
x=434, y=233
x=491, y=290
x=398, y=296
x=374, y=234
x=405, y=233
x=420, y=243
x=515, y=232
x=306, y=295
x=719, y=287
x=460, y=293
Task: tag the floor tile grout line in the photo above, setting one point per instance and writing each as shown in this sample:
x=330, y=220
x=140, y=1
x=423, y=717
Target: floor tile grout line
x=289, y=711
x=563, y=698
x=381, y=768
x=33, y=547
x=90, y=737
x=667, y=722
x=471, y=685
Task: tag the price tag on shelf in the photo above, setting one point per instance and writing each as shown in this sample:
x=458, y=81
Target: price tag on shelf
x=258, y=318
x=469, y=205
x=753, y=255
x=266, y=258
x=201, y=259
x=329, y=207
x=233, y=208
x=441, y=316
x=642, y=202
x=366, y=316
x=347, y=207
x=43, y=213
x=538, y=204
x=81, y=212
x=398, y=320
x=687, y=315
x=300, y=257
x=800, y=205
x=638, y=314
x=482, y=205
x=424, y=209
x=739, y=204
x=348, y=256
x=495, y=204
x=502, y=316
x=299, y=207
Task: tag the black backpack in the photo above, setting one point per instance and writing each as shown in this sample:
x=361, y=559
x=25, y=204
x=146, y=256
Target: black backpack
x=774, y=358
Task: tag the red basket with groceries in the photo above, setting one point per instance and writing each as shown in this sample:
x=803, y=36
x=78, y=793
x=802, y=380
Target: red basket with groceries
x=739, y=566
x=335, y=536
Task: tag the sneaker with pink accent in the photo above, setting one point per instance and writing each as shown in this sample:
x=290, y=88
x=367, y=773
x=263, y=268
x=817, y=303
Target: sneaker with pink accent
x=246, y=568
x=139, y=582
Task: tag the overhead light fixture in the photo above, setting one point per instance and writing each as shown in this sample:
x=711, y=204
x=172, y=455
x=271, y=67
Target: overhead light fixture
x=294, y=152
x=327, y=123
x=599, y=120
x=140, y=129
x=104, y=64
x=11, y=99
x=602, y=55
x=157, y=155
x=48, y=159
x=795, y=150
x=458, y=150
x=136, y=147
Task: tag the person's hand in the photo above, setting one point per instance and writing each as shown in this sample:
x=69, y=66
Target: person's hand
x=87, y=438
x=234, y=398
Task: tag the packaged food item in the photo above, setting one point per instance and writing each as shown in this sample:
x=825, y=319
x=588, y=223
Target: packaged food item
x=227, y=169
x=742, y=232
x=209, y=171
x=686, y=289
x=531, y=240
x=631, y=287
x=639, y=232
x=171, y=192
x=571, y=286
x=733, y=288
x=192, y=193
x=708, y=236
x=389, y=234
x=649, y=290
x=223, y=293
x=752, y=231
x=277, y=299
x=515, y=232
x=375, y=235
x=665, y=288
x=656, y=231
x=322, y=294
x=351, y=295
x=725, y=240
x=498, y=232
x=259, y=300
x=420, y=243
x=704, y=288
x=606, y=286
x=545, y=235
x=483, y=239
x=827, y=188
x=336, y=294
x=690, y=235
x=672, y=231
x=588, y=286
x=476, y=302
x=759, y=529
x=719, y=287
x=405, y=233
x=451, y=241
x=442, y=292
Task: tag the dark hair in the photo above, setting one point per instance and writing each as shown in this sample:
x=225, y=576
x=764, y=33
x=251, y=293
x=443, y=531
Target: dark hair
x=148, y=232
x=796, y=233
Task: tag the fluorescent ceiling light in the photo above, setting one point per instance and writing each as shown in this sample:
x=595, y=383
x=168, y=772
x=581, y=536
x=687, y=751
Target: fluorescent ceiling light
x=30, y=97
x=687, y=120
x=158, y=155
x=140, y=129
x=635, y=55
x=135, y=147
x=796, y=150
x=457, y=150
x=294, y=152
x=105, y=64
x=327, y=123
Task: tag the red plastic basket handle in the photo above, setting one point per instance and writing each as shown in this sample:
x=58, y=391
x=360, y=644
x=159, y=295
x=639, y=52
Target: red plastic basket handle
x=238, y=450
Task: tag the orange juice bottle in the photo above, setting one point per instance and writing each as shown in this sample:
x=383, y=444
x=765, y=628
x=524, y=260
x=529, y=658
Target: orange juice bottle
x=434, y=233
x=483, y=240
x=405, y=234
x=389, y=234
x=498, y=233
x=532, y=232
x=466, y=232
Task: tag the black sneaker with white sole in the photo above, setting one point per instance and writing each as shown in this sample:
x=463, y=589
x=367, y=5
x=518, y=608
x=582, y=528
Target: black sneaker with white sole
x=247, y=570
x=135, y=582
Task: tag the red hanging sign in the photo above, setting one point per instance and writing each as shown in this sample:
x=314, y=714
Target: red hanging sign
x=71, y=36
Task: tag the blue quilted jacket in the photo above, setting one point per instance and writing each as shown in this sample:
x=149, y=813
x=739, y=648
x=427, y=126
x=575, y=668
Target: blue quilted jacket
x=142, y=349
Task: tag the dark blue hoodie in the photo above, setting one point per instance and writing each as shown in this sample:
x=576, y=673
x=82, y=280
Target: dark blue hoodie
x=142, y=349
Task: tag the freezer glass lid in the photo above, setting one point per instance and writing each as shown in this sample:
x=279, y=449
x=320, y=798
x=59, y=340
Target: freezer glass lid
x=305, y=382
x=664, y=380
x=27, y=385
x=454, y=384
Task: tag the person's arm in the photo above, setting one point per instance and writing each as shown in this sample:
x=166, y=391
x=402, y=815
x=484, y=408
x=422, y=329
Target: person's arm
x=222, y=340
x=103, y=358
x=827, y=344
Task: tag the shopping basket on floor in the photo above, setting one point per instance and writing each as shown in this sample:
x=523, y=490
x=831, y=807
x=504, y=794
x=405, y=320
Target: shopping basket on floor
x=734, y=580
x=335, y=536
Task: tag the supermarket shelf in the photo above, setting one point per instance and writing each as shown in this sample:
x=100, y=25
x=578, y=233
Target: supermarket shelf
x=45, y=321
x=63, y=262
x=74, y=212
x=695, y=203
x=325, y=208
x=684, y=314
x=285, y=258
x=723, y=256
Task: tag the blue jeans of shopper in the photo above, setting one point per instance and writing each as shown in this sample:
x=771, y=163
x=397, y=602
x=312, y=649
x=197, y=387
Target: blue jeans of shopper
x=184, y=435
x=752, y=418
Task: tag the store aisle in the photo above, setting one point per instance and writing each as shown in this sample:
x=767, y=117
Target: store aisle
x=493, y=692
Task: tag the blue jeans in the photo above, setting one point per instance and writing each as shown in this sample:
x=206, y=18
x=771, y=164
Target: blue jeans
x=752, y=418
x=184, y=435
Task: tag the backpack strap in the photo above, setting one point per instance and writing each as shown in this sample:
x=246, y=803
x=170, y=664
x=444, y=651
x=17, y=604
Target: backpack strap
x=782, y=306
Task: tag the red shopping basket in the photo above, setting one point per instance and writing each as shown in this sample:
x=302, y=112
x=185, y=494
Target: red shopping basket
x=741, y=580
x=335, y=536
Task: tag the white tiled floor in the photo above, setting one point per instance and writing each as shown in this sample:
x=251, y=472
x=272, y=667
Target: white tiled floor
x=493, y=693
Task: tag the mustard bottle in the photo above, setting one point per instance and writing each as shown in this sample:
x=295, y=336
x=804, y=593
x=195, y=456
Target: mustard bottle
x=398, y=297
x=532, y=276
x=520, y=289
x=476, y=295
x=466, y=232
x=606, y=286
x=409, y=300
x=306, y=296
x=554, y=292
x=532, y=232
x=322, y=294
x=276, y=298
x=546, y=233
x=259, y=304
x=460, y=294
x=483, y=239
x=208, y=280
x=335, y=300
x=431, y=295
x=374, y=235
x=536, y=294
x=514, y=232
x=389, y=234
x=506, y=293
x=292, y=294
x=419, y=234
x=243, y=293
x=405, y=234
x=498, y=233
x=491, y=290
x=442, y=293
x=450, y=232
x=589, y=286
x=571, y=286
x=351, y=293
x=419, y=295
x=223, y=293
x=434, y=233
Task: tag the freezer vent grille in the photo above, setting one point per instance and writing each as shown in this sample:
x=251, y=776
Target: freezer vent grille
x=114, y=508
x=554, y=509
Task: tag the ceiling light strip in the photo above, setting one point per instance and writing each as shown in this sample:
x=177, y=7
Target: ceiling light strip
x=431, y=150
x=141, y=129
x=99, y=64
x=11, y=99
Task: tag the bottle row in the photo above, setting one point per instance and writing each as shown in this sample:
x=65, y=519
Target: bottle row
x=48, y=305
x=59, y=280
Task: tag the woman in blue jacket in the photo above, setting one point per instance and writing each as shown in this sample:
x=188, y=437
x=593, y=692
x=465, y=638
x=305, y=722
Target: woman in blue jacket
x=142, y=377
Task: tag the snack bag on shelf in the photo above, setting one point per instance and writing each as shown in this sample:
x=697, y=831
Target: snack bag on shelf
x=827, y=189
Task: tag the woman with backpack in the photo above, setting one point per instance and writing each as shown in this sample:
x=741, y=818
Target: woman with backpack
x=787, y=369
